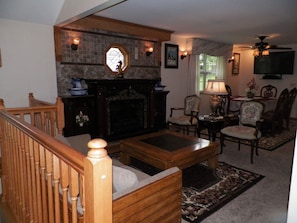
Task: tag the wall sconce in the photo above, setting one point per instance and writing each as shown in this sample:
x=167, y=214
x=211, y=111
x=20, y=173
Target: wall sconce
x=230, y=59
x=75, y=44
x=184, y=55
x=149, y=51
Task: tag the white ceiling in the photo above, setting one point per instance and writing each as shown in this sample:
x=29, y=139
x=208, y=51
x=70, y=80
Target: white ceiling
x=229, y=21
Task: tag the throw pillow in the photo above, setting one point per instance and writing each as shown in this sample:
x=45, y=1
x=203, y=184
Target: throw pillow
x=122, y=178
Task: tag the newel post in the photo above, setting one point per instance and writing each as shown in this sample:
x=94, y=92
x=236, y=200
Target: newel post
x=98, y=183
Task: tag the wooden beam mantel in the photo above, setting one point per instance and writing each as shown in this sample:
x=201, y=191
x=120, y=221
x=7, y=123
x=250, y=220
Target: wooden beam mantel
x=102, y=23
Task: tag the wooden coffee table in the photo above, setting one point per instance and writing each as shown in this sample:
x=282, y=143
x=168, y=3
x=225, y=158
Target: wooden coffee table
x=166, y=149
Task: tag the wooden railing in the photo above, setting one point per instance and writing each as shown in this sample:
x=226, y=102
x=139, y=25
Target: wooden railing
x=43, y=115
x=44, y=180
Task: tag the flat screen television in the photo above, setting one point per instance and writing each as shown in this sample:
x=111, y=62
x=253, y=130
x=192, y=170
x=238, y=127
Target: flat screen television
x=276, y=63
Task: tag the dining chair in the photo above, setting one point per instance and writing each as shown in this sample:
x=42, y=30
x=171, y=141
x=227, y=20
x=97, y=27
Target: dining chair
x=231, y=116
x=188, y=120
x=248, y=128
x=273, y=119
x=268, y=91
x=229, y=90
x=288, y=106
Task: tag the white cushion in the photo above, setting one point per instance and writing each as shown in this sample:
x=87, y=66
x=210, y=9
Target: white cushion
x=241, y=132
x=122, y=178
x=182, y=120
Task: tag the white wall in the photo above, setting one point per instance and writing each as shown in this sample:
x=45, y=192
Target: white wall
x=28, y=62
x=239, y=82
x=175, y=79
x=292, y=214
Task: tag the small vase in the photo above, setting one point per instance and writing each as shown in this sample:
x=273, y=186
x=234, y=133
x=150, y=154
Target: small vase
x=250, y=94
x=81, y=124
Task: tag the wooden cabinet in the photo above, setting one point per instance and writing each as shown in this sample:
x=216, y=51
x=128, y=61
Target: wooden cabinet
x=74, y=107
x=160, y=109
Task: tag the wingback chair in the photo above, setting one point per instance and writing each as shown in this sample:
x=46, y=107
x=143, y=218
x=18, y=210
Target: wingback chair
x=188, y=120
x=248, y=128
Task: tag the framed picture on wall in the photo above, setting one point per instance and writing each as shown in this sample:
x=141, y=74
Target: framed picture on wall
x=171, y=55
x=235, y=63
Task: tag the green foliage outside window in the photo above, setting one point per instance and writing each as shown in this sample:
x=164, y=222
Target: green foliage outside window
x=208, y=69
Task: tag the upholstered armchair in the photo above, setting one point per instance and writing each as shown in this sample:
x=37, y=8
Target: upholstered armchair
x=248, y=128
x=187, y=117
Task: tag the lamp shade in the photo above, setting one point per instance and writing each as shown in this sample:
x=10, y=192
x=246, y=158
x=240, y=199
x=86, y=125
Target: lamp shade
x=216, y=87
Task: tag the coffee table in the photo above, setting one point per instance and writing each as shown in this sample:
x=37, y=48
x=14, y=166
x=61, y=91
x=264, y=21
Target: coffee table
x=165, y=149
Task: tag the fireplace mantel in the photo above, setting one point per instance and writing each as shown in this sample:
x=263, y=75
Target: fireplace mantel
x=107, y=90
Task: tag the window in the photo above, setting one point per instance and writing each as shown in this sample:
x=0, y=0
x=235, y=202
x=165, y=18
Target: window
x=114, y=56
x=208, y=67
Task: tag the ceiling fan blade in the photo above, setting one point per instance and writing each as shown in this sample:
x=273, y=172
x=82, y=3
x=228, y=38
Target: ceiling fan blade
x=275, y=47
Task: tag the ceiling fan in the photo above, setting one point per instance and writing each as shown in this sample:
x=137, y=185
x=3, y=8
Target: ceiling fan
x=262, y=48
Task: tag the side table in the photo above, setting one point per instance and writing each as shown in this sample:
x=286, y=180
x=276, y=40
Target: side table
x=212, y=124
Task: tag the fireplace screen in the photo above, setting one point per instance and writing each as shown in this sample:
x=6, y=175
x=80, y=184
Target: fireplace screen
x=126, y=116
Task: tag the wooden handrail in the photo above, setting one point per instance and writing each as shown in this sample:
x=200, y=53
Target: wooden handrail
x=39, y=170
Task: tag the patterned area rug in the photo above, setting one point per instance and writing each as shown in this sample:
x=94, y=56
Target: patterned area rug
x=222, y=185
x=271, y=143
x=206, y=190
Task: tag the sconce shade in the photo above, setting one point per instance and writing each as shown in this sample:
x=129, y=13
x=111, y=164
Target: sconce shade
x=149, y=51
x=184, y=55
x=74, y=45
x=216, y=87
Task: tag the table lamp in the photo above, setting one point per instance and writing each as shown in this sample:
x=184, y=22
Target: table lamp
x=215, y=88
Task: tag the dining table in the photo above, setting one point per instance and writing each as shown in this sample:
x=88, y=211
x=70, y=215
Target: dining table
x=269, y=102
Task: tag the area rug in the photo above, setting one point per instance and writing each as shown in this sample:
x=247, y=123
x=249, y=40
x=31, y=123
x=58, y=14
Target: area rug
x=268, y=142
x=272, y=142
x=199, y=200
x=205, y=190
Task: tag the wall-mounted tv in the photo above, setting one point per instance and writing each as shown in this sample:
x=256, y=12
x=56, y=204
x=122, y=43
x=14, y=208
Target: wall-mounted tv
x=276, y=63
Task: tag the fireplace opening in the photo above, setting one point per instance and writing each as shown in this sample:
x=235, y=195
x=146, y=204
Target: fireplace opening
x=127, y=116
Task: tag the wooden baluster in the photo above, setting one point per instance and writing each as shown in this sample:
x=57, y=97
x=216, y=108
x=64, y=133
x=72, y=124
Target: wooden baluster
x=43, y=186
x=60, y=115
x=49, y=179
x=28, y=185
x=64, y=185
x=36, y=181
x=56, y=177
x=22, y=176
x=73, y=186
